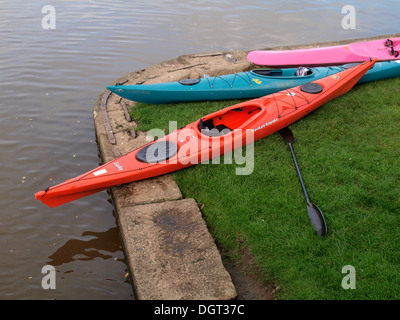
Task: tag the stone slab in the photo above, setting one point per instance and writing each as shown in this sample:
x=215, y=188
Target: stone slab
x=157, y=189
x=171, y=253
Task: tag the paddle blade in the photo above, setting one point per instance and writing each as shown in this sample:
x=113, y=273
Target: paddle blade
x=317, y=219
x=286, y=135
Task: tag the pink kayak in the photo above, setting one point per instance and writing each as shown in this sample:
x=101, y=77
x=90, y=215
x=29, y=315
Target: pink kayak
x=385, y=49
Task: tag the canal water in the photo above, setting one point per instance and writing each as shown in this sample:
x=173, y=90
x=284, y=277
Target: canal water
x=53, y=67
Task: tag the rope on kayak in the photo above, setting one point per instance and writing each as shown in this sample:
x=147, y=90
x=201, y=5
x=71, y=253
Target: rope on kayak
x=294, y=101
x=248, y=80
x=294, y=105
x=276, y=104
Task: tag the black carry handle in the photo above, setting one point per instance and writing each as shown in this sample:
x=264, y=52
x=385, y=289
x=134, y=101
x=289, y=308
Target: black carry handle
x=389, y=44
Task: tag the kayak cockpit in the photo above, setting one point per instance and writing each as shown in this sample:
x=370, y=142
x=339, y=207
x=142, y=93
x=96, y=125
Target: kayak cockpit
x=284, y=73
x=268, y=72
x=223, y=123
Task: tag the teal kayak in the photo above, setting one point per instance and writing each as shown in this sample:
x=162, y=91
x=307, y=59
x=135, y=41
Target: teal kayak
x=243, y=85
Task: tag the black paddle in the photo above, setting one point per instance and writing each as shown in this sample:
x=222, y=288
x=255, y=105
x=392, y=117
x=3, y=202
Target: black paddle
x=314, y=213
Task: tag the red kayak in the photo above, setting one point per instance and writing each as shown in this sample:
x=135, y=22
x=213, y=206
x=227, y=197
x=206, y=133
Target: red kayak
x=208, y=137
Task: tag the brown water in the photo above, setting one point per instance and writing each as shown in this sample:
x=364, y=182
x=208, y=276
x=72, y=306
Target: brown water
x=49, y=82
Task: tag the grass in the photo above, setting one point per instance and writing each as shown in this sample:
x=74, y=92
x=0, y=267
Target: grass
x=349, y=154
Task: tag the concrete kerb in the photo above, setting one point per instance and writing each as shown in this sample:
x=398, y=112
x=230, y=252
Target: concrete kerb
x=170, y=253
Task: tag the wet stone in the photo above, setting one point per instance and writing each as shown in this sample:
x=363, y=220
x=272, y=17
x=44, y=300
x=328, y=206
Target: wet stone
x=171, y=253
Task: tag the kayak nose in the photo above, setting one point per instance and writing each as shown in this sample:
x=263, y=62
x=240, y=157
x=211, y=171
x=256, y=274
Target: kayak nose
x=115, y=88
x=40, y=194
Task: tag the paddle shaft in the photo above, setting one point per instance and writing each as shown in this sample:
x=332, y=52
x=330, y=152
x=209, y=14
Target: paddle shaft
x=314, y=213
x=299, y=174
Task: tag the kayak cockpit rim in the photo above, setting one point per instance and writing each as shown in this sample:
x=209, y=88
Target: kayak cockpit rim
x=285, y=73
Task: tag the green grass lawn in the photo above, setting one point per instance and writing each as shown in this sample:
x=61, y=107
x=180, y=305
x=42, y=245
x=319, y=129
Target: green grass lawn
x=348, y=152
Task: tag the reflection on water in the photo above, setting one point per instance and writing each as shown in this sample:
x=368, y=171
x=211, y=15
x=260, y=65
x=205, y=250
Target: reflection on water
x=84, y=250
x=49, y=82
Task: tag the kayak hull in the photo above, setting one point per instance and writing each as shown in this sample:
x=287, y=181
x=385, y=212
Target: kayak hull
x=336, y=55
x=243, y=85
x=208, y=137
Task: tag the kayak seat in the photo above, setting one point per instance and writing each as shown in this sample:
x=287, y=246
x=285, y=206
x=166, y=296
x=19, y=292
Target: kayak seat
x=302, y=72
x=207, y=128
